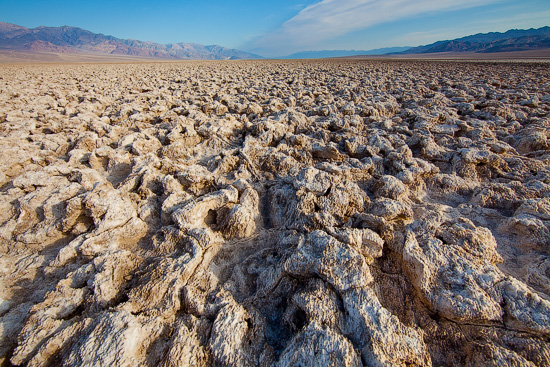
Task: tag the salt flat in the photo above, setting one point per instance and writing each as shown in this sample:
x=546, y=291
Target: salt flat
x=288, y=213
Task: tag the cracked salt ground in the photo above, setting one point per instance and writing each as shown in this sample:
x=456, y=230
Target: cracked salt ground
x=305, y=213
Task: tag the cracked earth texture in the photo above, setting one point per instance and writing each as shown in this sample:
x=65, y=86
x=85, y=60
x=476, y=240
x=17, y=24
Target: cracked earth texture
x=272, y=213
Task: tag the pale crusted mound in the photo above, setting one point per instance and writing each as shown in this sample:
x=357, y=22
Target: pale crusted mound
x=337, y=213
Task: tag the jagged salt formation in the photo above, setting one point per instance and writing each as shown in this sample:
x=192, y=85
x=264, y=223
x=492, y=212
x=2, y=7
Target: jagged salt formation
x=275, y=213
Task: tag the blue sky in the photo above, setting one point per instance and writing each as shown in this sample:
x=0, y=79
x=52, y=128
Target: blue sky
x=278, y=28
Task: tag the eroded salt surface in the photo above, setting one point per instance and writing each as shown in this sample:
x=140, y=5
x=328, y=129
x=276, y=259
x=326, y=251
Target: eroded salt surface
x=323, y=213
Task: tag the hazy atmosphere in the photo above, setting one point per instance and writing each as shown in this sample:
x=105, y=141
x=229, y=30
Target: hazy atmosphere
x=278, y=28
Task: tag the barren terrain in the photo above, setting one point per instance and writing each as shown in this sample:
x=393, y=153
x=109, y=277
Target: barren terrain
x=35, y=57
x=262, y=213
x=542, y=55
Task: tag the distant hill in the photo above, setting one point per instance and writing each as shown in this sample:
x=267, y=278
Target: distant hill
x=342, y=53
x=76, y=40
x=512, y=40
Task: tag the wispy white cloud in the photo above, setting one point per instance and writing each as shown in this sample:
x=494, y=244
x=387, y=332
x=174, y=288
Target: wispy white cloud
x=329, y=19
x=499, y=24
x=526, y=20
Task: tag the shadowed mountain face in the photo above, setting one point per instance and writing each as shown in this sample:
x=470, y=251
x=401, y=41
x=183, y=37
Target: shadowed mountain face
x=71, y=39
x=512, y=40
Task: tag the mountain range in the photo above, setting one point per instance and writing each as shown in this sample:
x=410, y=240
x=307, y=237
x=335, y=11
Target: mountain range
x=76, y=41
x=493, y=42
x=67, y=39
x=343, y=53
x=512, y=40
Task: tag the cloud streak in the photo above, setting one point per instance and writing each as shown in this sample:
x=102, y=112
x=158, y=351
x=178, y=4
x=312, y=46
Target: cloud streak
x=329, y=19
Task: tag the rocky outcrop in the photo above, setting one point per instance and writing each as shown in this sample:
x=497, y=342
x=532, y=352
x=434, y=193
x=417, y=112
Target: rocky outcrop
x=335, y=213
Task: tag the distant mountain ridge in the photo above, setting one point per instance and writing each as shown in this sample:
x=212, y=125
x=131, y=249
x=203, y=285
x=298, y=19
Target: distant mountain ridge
x=342, y=53
x=74, y=40
x=493, y=42
x=512, y=40
x=67, y=39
